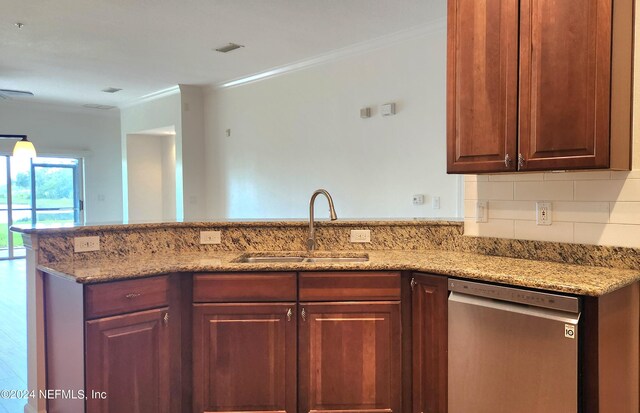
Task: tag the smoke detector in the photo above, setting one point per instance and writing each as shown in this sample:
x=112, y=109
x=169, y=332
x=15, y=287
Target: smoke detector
x=229, y=48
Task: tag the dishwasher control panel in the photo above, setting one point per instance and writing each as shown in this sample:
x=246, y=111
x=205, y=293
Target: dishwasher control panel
x=516, y=295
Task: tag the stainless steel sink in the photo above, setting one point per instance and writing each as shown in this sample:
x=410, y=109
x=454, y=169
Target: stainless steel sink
x=336, y=259
x=268, y=259
x=257, y=259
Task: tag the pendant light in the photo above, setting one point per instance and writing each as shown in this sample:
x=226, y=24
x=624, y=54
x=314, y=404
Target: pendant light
x=24, y=148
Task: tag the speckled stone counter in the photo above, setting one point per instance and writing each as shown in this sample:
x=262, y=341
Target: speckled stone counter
x=566, y=278
x=434, y=246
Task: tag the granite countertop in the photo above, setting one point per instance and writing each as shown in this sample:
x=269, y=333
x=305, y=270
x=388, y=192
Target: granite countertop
x=131, y=226
x=551, y=276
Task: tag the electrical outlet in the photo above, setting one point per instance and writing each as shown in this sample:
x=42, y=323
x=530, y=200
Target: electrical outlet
x=210, y=237
x=482, y=211
x=360, y=235
x=86, y=244
x=418, y=199
x=435, y=202
x=543, y=213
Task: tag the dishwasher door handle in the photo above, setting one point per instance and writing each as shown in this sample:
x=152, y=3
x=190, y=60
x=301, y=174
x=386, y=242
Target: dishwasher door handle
x=555, y=315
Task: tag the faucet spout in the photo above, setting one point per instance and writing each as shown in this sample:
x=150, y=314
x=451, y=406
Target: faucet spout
x=311, y=240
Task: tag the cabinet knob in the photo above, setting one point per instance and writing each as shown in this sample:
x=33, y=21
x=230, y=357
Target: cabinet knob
x=289, y=314
x=507, y=160
x=413, y=283
x=520, y=160
x=303, y=314
x=165, y=319
x=132, y=295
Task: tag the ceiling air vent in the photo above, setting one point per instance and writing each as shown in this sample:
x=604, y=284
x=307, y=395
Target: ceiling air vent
x=100, y=107
x=8, y=93
x=111, y=90
x=228, y=48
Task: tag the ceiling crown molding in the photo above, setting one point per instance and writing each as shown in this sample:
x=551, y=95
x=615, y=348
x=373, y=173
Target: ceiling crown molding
x=353, y=50
x=151, y=96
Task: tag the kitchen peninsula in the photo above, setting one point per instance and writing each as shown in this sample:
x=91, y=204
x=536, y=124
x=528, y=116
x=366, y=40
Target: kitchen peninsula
x=172, y=296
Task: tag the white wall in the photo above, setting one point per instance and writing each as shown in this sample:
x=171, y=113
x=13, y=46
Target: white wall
x=300, y=131
x=168, y=177
x=60, y=130
x=193, y=155
x=181, y=109
x=151, y=178
x=157, y=113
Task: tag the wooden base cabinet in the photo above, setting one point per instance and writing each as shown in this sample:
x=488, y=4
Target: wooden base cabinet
x=127, y=360
x=244, y=357
x=350, y=357
x=429, y=343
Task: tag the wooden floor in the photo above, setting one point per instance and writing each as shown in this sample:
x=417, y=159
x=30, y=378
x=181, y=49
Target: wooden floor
x=13, y=332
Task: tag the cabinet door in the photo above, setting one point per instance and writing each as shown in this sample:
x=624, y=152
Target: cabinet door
x=244, y=357
x=565, y=78
x=350, y=357
x=482, y=85
x=429, y=315
x=128, y=359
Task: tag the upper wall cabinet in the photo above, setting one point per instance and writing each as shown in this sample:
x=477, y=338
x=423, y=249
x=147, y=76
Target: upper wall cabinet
x=538, y=85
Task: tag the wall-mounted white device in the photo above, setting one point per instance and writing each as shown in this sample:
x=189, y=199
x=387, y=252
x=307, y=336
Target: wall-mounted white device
x=388, y=109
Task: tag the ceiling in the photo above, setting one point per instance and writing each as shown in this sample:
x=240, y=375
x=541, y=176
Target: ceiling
x=69, y=50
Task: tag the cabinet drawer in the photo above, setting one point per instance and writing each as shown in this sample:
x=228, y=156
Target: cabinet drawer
x=125, y=296
x=244, y=287
x=357, y=285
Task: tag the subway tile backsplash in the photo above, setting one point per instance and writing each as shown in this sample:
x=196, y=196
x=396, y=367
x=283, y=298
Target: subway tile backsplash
x=590, y=207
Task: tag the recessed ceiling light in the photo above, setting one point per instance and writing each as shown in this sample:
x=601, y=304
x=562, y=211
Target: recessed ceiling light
x=96, y=106
x=9, y=93
x=228, y=48
x=19, y=25
x=111, y=90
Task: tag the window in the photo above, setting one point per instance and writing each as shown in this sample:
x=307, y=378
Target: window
x=41, y=191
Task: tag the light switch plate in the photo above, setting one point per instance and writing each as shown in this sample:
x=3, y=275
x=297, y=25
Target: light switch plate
x=86, y=244
x=482, y=211
x=210, y=237
x=360, y=235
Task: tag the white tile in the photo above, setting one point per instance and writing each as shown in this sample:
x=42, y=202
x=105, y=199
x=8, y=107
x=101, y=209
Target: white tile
x=557, y=232
x=563, y=211
x=470, y=208
x=577, y=176
x=488, y=190
x=475, y=178
x=625, y=213
x=525, y=210
x=625, y=174
x=618, y=235
x=517, y=177
x=544, y=191
x=499, y=228
x=612, y=190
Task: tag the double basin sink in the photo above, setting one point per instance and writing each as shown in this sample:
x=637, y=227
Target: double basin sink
x=274, y=258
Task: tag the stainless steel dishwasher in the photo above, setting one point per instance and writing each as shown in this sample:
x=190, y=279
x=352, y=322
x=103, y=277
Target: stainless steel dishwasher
x=511, y=350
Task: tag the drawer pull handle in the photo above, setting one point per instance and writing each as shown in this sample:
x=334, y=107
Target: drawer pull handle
x=132, y=295
x=289, y=314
